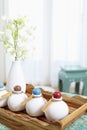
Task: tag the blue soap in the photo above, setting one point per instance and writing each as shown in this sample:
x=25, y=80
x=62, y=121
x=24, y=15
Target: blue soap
x=36, y=91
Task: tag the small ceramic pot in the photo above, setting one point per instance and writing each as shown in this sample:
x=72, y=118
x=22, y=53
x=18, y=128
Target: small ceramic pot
x=3, y=102
x=34, y=106
x=58, y=109
x=14, y=101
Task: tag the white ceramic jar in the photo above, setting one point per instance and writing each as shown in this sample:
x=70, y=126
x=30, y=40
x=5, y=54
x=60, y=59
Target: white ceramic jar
x=3, y=102
x=15, y=100
x=58, y=109
x=35, y=105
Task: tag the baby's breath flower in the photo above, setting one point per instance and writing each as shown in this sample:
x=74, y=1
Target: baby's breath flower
x=16, y=33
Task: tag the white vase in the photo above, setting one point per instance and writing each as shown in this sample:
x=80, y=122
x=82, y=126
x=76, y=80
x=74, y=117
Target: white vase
x=16, y=77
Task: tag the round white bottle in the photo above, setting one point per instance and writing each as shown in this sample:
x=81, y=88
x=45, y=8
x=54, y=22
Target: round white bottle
x=15, y=100
x=35, y=105
x=58, y=109
x=3, y=102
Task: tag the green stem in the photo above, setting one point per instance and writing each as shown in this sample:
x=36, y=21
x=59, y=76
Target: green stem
x=15, y=47
x=15, y=43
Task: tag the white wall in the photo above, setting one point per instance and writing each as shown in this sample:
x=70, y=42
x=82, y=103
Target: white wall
x=2, y=64
x=50, y=58
x=2, y=56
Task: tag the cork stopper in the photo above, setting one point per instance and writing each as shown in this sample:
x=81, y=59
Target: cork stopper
x=36, y=92
x=17, y=89
x=1, y=86
x=57, y=96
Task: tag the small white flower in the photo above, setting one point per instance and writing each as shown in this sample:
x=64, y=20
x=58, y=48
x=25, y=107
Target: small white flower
x=17, y=37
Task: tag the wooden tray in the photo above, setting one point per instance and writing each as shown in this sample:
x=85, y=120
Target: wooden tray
x=22, y=121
